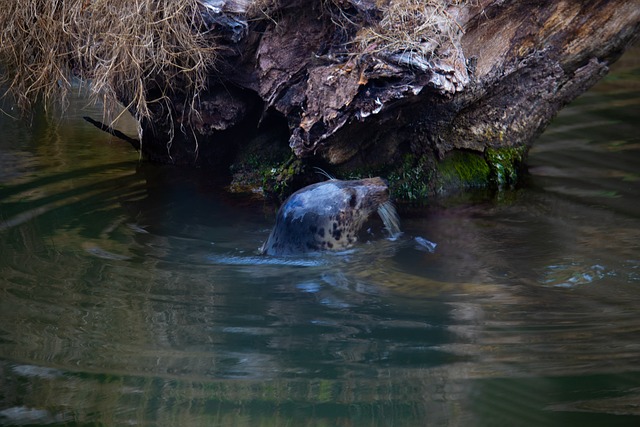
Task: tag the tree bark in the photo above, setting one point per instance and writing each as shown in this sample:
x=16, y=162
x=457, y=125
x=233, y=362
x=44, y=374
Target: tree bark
x=488, y=90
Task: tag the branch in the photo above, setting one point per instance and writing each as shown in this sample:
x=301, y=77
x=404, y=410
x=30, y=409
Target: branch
x=135, y=143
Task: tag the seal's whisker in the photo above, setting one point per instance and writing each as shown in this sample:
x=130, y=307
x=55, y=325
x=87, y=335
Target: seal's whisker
x=323, y=172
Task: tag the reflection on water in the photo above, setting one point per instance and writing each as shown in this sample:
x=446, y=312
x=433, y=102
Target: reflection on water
x=132, y=294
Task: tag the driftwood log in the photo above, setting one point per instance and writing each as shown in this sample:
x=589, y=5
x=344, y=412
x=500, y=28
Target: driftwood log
x=291, y=90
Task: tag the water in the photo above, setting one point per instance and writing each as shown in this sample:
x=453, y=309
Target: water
x=133, y=295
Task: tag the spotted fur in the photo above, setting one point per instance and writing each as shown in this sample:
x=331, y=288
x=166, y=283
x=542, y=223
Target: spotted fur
x=325, y=216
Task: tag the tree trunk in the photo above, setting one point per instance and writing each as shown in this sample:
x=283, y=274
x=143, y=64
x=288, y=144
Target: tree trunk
x=305, y=80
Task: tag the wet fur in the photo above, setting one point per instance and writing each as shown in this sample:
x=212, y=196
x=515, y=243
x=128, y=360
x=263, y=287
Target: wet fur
x=325, y=216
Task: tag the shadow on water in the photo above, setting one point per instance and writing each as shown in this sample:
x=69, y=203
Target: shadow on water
x=132, y=294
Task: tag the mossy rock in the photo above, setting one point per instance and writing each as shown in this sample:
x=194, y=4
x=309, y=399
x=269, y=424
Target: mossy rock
x=268, y=178
x=506, y=164
x=414, y=179
x=462, y=170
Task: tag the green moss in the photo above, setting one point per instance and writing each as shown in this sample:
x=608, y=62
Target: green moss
x=261, y=166
x=411, y=180
x=417, y=178
x=463, y=169
x=278, y=180
x=505, y=164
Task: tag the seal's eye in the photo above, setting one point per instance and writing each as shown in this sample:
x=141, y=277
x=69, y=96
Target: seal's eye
x=352, y=200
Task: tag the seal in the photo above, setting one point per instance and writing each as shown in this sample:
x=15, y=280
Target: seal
x=328, y=216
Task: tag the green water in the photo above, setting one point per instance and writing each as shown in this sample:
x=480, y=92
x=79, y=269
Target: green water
x=133, y=295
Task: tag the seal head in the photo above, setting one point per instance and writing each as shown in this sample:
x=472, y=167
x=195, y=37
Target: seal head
x=325, y=216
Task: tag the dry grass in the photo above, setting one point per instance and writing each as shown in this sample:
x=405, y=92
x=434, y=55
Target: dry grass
x=120, y=48
x=140, y=51
x=420, y=27
x=416, y=26
x=262, y=9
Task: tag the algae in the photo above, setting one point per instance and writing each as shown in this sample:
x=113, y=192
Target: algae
x=275, y=180
x=499, y=167
x=279, y=181
x=409, y=180
x=463, y=169
x=413, y=179
x=505, y=164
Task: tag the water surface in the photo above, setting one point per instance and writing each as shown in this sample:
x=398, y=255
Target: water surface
x=132, y=294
